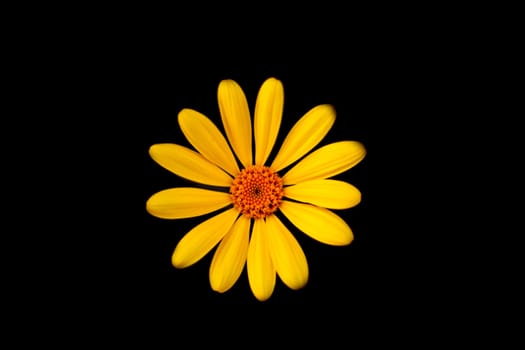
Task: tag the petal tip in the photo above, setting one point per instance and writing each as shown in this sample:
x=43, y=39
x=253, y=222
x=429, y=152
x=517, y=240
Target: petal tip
x=348, y=239
x=182, y=114
x=148, y=206
x=177, y=261
x=218, y=288
x=177, y=264
x=298, y=283
x=152, y=149
x=157, y=150
x=262, y=297
x=225, y=83
x=273, y=80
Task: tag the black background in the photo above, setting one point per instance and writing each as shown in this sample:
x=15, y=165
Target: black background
x=136, y=248
x=107, y=92
x=350, y=284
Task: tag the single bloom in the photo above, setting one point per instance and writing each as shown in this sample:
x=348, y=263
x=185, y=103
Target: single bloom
x=250, y=193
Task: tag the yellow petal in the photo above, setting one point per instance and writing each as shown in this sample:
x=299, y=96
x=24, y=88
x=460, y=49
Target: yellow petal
x=186, y=202
x=287, y=256
x=267, y=119
x=207, y=139
x=319, y=223
x=333, y=194
x=235, y=116
x=189, y=164
x=202, y=238
x=261, y=273
x=230, y=256
x=327, y=161
x=304, y=135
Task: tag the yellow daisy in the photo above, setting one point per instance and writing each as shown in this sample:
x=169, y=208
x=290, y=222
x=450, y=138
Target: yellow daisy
x=248, y=191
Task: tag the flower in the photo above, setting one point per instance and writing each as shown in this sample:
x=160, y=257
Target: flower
x=248, y=192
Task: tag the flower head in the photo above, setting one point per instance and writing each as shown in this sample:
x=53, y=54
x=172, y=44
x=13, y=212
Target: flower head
x=249, y=192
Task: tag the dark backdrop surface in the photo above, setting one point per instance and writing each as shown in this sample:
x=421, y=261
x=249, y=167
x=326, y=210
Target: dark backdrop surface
x=149, y=92
x=118, y=93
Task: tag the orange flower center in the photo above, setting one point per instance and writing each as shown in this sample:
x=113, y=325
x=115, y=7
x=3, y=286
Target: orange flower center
x=257, y=191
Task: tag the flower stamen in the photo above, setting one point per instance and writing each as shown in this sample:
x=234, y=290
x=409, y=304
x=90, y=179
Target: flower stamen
x=257, y=191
